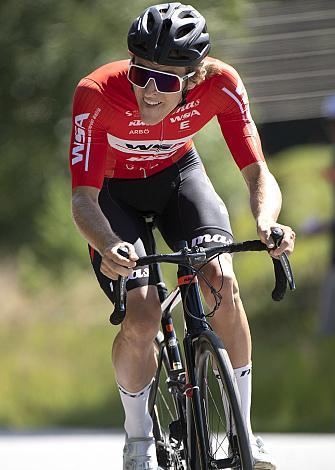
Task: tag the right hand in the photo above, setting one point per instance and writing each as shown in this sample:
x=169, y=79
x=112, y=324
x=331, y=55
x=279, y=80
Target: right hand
x=114, y=265
x=286, y=245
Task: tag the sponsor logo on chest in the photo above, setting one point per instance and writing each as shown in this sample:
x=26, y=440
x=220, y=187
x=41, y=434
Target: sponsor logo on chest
x=184, y=114
x=181, y=116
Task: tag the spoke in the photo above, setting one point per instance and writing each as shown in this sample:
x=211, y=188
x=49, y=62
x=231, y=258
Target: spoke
x=214, y=436
x=167, y=407
x=216, y=408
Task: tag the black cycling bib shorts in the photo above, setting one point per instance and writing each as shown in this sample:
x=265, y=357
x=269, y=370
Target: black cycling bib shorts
x=183, y=202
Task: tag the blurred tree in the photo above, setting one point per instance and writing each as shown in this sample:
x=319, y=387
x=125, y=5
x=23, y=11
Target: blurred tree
x=45, y=48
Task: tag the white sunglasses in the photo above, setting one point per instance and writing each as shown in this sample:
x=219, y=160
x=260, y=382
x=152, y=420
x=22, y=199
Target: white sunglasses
x=165, y=82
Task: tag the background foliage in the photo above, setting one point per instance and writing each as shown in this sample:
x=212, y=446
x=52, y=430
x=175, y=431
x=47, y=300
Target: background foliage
x=46, y=47
x=54, y=336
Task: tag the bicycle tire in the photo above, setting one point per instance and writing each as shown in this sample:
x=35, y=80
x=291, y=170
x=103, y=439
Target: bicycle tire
x=225, y=447
x=167, y=412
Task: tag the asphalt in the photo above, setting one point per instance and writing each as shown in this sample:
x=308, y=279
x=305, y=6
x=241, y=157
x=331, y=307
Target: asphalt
x=90, y=450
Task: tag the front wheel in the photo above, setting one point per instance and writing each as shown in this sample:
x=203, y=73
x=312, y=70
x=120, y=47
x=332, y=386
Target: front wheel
x=167, y=409
x=226, y=439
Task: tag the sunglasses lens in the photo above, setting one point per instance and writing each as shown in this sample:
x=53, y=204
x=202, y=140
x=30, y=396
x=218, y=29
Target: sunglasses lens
x=167, y=83
x=164, y=83
x=138, y=76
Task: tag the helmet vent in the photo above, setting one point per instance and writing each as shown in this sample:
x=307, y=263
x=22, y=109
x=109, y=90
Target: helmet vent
x=167, y=24
x=150, y=22
x=163, y=11
x=164, y=32
x=199, y=47
x=185, y=14
x=183, y=31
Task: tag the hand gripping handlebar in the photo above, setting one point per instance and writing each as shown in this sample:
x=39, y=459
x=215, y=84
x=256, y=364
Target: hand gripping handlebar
x=196, y=256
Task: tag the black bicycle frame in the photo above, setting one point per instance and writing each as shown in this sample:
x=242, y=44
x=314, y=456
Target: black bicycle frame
x=166, y=321
x=195, y=324
x=189, y=427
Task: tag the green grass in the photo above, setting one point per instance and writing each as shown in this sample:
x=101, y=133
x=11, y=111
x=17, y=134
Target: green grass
x=55, y=359
x=55, y=339
x=293, y=384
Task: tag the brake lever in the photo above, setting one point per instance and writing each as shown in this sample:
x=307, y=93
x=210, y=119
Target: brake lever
x=120, y=293
x=277, y=236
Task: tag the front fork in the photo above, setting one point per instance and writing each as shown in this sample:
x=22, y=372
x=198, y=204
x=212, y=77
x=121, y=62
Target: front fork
x=195, y=324
x=197, y=458
x=189, y=289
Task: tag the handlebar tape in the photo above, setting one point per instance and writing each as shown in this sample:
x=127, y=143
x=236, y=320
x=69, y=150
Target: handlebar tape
x=120, y=294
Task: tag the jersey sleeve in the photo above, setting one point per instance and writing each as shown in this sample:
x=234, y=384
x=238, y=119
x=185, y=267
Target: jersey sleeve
x=237, y=125
x=89, y=136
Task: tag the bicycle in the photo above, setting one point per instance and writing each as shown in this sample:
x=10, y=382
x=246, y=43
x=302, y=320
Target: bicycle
x=194, y=400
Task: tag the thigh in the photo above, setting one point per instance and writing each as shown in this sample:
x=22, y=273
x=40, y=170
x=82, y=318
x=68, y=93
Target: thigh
x=130, y=226
x=143, y=312
x=195, y=213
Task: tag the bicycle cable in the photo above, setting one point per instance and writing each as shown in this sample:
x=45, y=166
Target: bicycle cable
x=215, y=292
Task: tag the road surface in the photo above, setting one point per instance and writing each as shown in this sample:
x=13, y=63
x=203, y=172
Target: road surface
x=72, y=450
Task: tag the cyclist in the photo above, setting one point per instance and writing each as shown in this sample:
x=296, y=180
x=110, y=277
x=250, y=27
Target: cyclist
x=131, y=154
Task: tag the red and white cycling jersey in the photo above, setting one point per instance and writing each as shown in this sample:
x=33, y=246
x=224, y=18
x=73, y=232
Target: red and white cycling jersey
x=110, y=140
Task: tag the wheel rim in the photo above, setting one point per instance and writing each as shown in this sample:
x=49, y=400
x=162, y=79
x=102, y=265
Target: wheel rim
x=169, y=452
x=217, y=412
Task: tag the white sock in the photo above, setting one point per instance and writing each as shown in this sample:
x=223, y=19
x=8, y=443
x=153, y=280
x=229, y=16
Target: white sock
x=243, y=379
x=138, y=422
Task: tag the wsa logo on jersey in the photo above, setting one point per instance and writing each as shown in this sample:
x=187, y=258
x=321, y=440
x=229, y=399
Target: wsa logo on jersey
x=79, y=138
x=83, y=137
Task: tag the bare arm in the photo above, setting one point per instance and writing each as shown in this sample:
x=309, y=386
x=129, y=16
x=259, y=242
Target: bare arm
x=265, y=195
x=265, y=203
x=95, y=228
x=90, y=220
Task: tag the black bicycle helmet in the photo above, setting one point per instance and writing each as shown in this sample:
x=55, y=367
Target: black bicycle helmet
x=170, y=34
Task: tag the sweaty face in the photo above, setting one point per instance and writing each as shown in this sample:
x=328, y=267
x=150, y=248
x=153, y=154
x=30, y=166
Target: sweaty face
x=153, y=105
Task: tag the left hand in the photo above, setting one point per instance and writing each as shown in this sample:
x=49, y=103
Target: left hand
x=287, y=243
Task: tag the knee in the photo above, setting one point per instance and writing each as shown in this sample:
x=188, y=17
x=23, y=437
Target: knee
x=143, y=316
x=230, y=292
x=224, y=281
